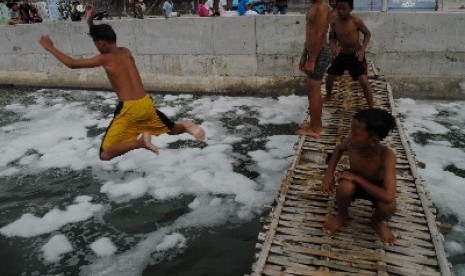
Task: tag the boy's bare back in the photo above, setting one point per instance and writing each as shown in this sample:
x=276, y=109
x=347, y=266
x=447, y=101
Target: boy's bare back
x=123, y=75
x=118, y=63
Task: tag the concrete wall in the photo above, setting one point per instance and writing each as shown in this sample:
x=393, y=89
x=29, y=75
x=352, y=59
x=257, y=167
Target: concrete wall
x=451, y=5
x=422, y=54
x=241, y=54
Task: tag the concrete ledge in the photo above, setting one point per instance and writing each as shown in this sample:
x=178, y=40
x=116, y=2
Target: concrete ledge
x=421, y=53
x=421, y=87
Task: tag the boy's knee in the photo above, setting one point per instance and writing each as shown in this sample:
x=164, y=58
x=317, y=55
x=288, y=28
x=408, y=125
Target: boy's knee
x=346, y=187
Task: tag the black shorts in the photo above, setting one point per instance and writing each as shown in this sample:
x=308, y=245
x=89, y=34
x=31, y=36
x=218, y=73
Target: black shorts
x=360, y=193
x=348, y=62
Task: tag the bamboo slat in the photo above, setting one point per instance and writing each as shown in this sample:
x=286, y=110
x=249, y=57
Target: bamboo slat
x=292, y=241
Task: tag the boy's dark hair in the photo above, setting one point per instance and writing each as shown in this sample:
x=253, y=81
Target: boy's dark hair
x=350, y=2
x=377, y=121
x=102, y=32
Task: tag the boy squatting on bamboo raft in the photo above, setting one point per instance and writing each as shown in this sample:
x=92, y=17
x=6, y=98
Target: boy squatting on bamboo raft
x=136, y=117
x=372, y=173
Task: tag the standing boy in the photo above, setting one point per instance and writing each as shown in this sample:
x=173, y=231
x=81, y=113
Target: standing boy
x=314, y=61
x=349, y=54
x=135, y=115
x=372, y=173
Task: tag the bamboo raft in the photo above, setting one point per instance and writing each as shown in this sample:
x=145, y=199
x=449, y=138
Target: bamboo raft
x=292, y=241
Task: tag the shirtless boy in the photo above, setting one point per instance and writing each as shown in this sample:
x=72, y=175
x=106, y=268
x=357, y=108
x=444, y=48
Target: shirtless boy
x=314, y=61
x=371, y=176
x=136, y=114
x=349, y=54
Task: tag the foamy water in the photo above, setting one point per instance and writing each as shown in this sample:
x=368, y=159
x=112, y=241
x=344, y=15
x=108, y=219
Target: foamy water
x=65, y=211
x=437, y=130
x=192, y=210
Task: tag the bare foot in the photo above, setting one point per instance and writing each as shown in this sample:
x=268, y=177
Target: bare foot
x=195, y=130
x=333, y=224
x=146, y=140
x=304, y=125
x=309, y=132
x=384, y=232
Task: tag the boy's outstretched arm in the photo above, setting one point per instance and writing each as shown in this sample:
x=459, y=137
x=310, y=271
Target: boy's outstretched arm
x=90, y=12
x=70, y=62
x=328, y=181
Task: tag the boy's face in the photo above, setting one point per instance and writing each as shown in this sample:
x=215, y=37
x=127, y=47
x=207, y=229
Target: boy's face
x=343, y=9
x=359, y=138
x=101, y=46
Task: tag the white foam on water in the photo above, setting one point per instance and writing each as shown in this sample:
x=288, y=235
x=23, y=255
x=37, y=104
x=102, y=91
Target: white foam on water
x=445, y=188
x=30, y=225
x=56, y=133
x=170, y=241
x=284, y=109
x=206, y=211
x=103, y=247
x=10, y=172
x=54, y=249
x=454, y=248
x=277, y=157
x=53, y=134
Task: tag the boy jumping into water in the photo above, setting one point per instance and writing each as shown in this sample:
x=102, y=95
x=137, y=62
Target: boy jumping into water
x=347, y=52
x=135, y=115
x=371, y=176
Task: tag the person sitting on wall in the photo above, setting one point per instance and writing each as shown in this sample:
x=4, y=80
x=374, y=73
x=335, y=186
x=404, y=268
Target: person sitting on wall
x=242, y=7
x=14, y=14
x=223, y=6
x=250, y=11
x=202, y=9
x=280, y=6
x=34, y=16
x=76, y=10
x=211, y=9
x=24, y=10
x=225, y=10
x=137, y=7
x=168, y=10
x=29, y=13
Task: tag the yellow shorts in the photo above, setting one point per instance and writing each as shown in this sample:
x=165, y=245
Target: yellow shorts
x=133, y=118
